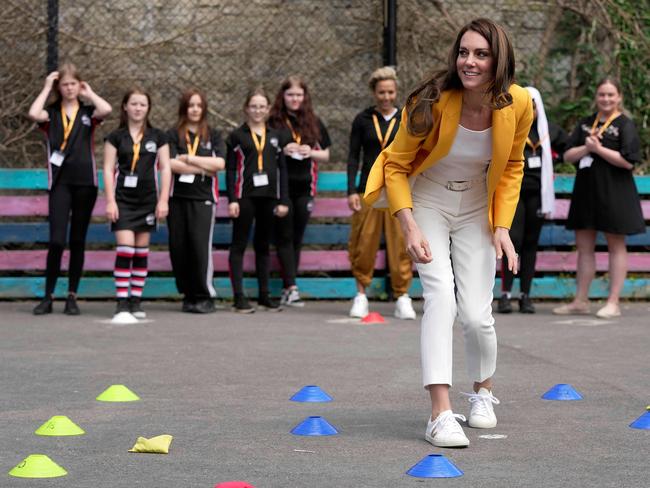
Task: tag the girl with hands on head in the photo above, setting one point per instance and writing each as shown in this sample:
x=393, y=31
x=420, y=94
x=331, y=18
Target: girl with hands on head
x=69, y=124
x=452, y=177
x=133, y=156
x=607, y=147
x=373, y=130
x=256, y=182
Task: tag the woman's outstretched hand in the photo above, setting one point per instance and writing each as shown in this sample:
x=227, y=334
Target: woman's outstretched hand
x=503, y=245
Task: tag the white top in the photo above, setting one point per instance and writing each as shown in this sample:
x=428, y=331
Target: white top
x=468, y=158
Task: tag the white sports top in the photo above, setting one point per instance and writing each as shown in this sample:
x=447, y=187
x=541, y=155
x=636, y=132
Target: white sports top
x=468, y=158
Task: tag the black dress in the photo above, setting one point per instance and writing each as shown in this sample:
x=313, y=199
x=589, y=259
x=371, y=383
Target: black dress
x=604, y=196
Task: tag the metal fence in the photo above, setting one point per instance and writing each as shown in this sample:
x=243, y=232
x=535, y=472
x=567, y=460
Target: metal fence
x=227, y=46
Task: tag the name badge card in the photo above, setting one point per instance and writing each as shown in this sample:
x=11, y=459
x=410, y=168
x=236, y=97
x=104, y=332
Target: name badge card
x=131, y=181
x=260, y=179
x=56, y=159
x=186, y=178
x=585, y=162
x=534, y=162
x=297, y=156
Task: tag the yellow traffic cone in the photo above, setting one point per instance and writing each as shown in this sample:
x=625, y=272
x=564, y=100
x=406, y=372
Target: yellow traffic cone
x=38, y=466
x=59, y=425
x=117, y=393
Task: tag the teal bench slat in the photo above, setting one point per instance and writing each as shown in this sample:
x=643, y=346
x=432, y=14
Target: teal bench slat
x=328, y=288
x=326, y=234
x=36, y=179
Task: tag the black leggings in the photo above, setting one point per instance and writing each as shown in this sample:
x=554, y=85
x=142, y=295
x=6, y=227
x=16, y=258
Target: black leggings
x=74, y=204
x=289, y=233
x=525, y=230
x=259, y=210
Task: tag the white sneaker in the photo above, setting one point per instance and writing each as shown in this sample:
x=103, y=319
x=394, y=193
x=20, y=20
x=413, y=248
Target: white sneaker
x=359, y=306
x=124, y=318
x=291, y=298
x=482, y=414
x=445, y=431
x=404, y=308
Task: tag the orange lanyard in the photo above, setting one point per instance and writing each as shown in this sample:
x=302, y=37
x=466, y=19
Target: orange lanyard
x=67, y=124
x=136, y=150
x=191, y=148
x=294, y=134
x=604, y=127
x=259, y=145
x=383, y=140
x=537, y=144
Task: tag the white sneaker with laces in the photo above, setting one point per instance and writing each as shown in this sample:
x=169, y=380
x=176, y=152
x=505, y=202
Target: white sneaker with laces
x=482, y=414
x=291, y=298
x=359, y=306
x=445, y=431
x=404, y=308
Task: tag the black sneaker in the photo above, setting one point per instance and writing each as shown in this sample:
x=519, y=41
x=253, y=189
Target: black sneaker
x=71, y=307
x=44, y=307
x=242, y=305
x=525, y=305
x=504, y=305
x=205, y=306
x=265, y=302
x=188, y=306
x=122, y=306
x=135, y=307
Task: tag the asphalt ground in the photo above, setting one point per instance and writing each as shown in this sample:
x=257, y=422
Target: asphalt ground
x=220, y=384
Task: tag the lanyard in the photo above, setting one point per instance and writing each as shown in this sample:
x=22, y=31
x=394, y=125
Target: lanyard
x=259, y=145
x=604, y=127
x=191, y=148
x=294, y=134
x=383, y=140
x=136, y=150
x=67, y=124
x=535, y=145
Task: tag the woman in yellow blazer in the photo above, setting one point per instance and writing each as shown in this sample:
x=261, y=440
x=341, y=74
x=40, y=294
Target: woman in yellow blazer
x=452, y=177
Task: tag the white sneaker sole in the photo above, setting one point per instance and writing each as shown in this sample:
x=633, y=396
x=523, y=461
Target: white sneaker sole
x=124, y=318
x=439, y=443
x=140, y=315
x=405, y=316
x=482, y=423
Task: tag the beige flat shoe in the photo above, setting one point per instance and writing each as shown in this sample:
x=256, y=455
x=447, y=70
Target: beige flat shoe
x=571, y=309
x=609, y=311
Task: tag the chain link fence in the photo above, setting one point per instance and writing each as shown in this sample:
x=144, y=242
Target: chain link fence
x=227, y=46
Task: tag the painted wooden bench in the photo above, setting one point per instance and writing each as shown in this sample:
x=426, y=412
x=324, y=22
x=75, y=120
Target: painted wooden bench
x=325, y=272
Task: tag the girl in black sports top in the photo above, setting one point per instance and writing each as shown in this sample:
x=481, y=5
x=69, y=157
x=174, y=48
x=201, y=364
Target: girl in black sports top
x=197, y=155
x=69, y=126
x=307, y=145
x=256, y=180
x=132, y=155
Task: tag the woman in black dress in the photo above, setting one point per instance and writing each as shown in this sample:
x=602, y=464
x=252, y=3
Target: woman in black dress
x=69, y=124
x=606, y=145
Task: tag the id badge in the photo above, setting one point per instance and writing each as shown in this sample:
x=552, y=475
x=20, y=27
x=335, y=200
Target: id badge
x=534, y=162
x=186, y=178
x=56, y=159
x=260, y=179
x=297, y=156
x=131, y=181
x=585, y=162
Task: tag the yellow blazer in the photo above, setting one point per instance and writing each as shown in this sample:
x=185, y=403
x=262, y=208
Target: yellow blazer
x=408, y=155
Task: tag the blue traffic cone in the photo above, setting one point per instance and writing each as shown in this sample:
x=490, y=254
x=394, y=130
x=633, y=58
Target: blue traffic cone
x=435, y=466
x=311, y=393
x=562, y=391
x=314, y=426
x=643, y=422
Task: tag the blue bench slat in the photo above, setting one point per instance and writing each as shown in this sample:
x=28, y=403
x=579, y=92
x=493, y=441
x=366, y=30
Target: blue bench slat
x=329, y=288
x=326, y=234
x=36, y=179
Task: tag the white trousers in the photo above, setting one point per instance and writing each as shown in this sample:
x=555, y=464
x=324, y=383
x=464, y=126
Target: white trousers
x=456, y=225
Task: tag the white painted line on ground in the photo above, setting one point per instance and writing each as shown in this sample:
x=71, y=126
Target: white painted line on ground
x=347, y=320
x=493, y=436
x=583, y=322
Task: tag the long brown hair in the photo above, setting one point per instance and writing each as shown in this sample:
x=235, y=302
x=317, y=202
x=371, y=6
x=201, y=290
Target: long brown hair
x=66, y=69
x=183, y=104
x=421, y=100
x=306, y=120
x=124, y=119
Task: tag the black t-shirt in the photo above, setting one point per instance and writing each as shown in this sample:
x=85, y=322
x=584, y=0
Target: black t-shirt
x=147, y=185
x=533, y=176
x=78, y=166
x=303, y=173
x=241, y=166
x=363, y=136
x=204, y=187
